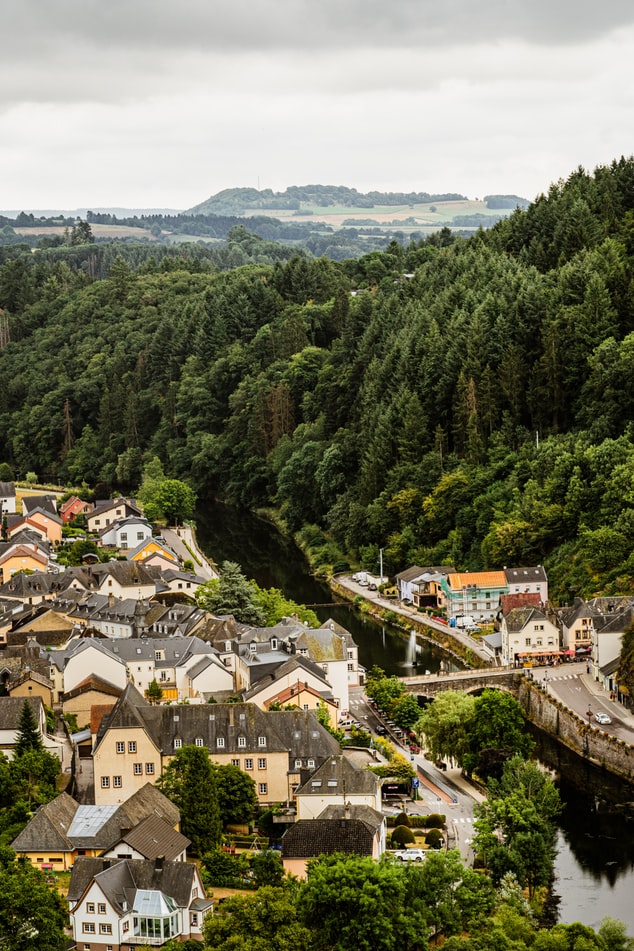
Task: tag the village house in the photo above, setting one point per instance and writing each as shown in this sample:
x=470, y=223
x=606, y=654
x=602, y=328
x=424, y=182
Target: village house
x=136, y=740
x=116, y=903
x=125, y=533
x=529, y=637
x=74, y=507
x=298, y=682
x=62, y=830
x=337, y=782
x=342, y=828
x=107, y=511
x=7, y=499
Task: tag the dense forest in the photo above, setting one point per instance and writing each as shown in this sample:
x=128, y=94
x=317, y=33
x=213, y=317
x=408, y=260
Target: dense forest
x=454, y=401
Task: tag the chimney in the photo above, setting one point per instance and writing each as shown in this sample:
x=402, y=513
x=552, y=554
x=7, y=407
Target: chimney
x=158, y=863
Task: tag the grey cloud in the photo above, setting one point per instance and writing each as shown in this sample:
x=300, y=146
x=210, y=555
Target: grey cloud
x=38, y=26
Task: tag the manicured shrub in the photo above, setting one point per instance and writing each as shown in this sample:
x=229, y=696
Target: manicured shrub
x=402, y=836
x=436, y=821
x=403, y=819
x=434, y=839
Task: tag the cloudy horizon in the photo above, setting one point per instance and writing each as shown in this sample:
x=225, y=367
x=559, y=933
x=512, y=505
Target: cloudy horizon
x=141, y=104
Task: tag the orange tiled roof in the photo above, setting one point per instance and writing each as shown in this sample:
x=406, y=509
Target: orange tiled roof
x=482, y=579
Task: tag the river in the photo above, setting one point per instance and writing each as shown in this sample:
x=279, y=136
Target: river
x=595, y=862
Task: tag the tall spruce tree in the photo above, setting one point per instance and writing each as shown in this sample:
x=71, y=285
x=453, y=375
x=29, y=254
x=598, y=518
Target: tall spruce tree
x=29, y=737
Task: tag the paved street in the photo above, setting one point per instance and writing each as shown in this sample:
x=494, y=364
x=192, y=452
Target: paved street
x=578, y=689
x=182, y=542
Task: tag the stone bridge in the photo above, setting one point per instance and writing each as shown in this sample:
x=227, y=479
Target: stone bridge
x=468, y=681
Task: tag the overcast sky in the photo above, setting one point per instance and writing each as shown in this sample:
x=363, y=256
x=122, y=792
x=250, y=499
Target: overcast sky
x=149, y=103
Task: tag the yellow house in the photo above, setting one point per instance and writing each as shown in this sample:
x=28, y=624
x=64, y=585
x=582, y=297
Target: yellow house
x=22, y=558
x=152, y=546
x=137, y=740
x=303, y=697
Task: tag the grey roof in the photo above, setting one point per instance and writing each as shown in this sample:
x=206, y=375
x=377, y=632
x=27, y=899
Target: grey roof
x=371, y=817
x=295, y=732
x=121, y=879
x=7, y=490
x=518, y=618
x=297, y=662
x=64, y=825
x=154, y=837
x=415, y=572
x=46, y=503
x=525, y=575
x=342, y=830
x=11, y=708
x=323, y=644
x=337, y=776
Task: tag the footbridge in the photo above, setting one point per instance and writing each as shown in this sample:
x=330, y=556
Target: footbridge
x=468, y=681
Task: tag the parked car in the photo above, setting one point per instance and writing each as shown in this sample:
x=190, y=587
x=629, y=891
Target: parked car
x=409, y=855
x=602, y=718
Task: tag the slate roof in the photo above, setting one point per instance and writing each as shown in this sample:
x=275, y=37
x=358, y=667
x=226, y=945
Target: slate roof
x=63, y=825
x=120, y=879
x=525, y=575
x=47, y=504
x=7, y=490
x=518, y=618
x=323, y=644
x=153, y=837
x=295, y=664
x=338, y=777
x=295, y=732
x=351, y=831
x=11, y=708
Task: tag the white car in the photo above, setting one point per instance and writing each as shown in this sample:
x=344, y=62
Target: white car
x=602, y=718
x=409, y=855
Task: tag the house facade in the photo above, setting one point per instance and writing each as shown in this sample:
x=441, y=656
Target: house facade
x=117, y=903
x=529, y=637
x=136, y=740
x=7, y=498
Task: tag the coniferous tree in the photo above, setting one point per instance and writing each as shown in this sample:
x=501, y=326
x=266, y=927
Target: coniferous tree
x=29, y=737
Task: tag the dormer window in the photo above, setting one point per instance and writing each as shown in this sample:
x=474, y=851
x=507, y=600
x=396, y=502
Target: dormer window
x=227, y=645
x=261, y=741
x=198, y=741
x=242, y=742
x=220, y=742
x=178, y=743
x=253, y=647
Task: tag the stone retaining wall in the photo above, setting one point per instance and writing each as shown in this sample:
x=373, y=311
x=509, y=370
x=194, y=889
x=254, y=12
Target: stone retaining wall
x=594, y=744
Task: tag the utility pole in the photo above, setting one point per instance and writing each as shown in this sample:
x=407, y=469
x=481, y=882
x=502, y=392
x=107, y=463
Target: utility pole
x=381, y=565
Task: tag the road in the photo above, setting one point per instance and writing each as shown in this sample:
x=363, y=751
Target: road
x=443, y=791
x=578, y=690
x=410, y=612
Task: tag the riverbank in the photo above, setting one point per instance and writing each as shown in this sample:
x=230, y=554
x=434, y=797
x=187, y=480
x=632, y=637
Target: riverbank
x=455, y=642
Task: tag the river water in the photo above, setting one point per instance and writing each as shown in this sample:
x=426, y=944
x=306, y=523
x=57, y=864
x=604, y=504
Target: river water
x=595, y=862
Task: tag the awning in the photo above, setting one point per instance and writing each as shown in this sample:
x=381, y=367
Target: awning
x=583, y=650
x=539, y=653
x=570, y=651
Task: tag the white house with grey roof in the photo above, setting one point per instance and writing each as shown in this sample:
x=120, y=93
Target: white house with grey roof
x=116, y=903
x=7, y=498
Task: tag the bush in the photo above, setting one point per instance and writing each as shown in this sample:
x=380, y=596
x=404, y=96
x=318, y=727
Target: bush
x=436, y=821
x=403, y=835
x=434, y=839
x=403, y=819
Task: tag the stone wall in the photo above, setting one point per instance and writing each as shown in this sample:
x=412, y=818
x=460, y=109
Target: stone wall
x=594, y=744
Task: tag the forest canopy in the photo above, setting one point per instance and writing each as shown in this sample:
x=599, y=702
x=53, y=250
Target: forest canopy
x=452, y=401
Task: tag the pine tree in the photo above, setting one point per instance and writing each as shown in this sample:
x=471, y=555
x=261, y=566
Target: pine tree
x=29, y=737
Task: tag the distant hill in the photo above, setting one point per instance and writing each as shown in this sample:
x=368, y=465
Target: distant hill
x=237, y=201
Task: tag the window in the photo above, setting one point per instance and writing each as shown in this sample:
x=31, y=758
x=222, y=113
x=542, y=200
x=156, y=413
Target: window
x=220, y=742
x=101, y=908
x=311, y=764
x=248, y=764
x=350, y=666
x=116, y=782
x=242, y=741
x=262, y=789
x=90, y=908
x=120, y=747
x=105, y=782
x=105, y=929
x=539, y=641
x=527, y=641
x=539, y=627
x=149, y=769
x=199, y=741
x=124, y=536
x=235, y=762
x=139, y=536
x=324, y=667
x=306, y=707
x=262, y=763
x=298, y=764
x=261, y=741
x=132, y=746
x=194, y=921
x=178, y=743
x=88, y=927
x=158, y=655
x=274, y=643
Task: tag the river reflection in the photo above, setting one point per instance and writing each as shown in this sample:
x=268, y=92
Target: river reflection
x=228, y=534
